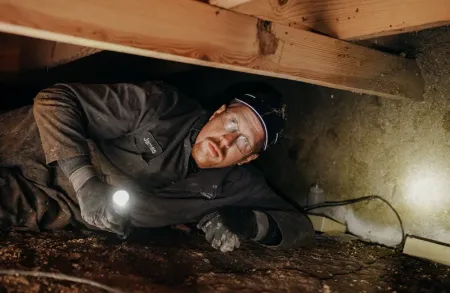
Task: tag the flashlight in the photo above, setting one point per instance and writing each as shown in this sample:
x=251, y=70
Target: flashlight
x=121, y=197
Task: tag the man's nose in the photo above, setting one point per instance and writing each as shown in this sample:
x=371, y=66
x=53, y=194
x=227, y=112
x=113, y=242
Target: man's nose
x=229, y=139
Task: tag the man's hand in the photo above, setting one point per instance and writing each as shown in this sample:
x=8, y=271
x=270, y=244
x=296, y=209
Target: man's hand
x=218, y=234
x=226, y=229
x=96, y=205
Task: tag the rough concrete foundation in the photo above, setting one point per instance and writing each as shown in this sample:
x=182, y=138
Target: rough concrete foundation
x=360, y=145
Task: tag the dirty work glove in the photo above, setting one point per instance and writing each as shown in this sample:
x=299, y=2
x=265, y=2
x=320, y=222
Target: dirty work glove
x=97, y=207
x=94, y=196
x=225, y=229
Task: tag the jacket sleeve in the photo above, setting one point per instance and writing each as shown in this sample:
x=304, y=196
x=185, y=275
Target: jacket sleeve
x=295, y=227
x=68, y=114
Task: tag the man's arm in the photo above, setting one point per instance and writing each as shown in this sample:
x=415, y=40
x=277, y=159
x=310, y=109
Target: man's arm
x=294, y=226
x=260, y=215
x=68, y=114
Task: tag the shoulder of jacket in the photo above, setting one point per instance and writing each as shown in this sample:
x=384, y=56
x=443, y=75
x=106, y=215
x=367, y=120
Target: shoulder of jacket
x=246, y=173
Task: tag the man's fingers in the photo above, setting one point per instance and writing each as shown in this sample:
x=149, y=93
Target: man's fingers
x=93, y=220
x=216, y=243
x=237, y=243
x=209, y=236
x=206, y=226
x=227, y=242
x=230, y=243
x=217, y=234
x=210, y=233
x=113, y=217
x=112, y=221
x=115, y=228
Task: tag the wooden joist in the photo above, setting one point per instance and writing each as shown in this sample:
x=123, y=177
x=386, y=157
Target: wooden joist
x=349, y=19
x=428, y=249
x=199, y=33
x=326, y=225
x=37, y=54
x=19, y=53
x=9, y=53
x=228, y=3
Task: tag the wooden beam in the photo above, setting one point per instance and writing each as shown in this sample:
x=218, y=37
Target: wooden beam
x=428, y=249
x=326, y=225
x=350, y=19
x=198, y=33
x=228, y=3
x=19, y=53
x=9, y=53
x=38, y=53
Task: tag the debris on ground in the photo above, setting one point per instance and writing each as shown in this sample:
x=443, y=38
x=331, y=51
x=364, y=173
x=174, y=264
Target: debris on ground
x=169, y=261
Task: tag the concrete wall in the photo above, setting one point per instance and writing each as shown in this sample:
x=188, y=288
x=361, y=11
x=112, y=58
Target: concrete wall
x=361, y=145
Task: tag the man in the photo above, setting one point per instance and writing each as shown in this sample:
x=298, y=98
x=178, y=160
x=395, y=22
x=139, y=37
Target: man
x=180, y=164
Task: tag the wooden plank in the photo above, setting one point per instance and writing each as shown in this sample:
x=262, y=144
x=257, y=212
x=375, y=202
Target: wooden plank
x=18, y=53
x=228, y=3
x=198, y=33
x=351, y=19
x=438, y=252
x=37, y=53
x=326, y=225
x=9, y=53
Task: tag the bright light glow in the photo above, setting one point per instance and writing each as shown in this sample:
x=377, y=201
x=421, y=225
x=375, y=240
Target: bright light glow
x=121, y=198
x=427, y=189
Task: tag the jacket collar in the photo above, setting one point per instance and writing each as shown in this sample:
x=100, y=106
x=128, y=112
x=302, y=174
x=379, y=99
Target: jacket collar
x=195, y=130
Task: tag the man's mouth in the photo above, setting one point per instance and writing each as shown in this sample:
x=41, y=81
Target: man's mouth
x=213, y=150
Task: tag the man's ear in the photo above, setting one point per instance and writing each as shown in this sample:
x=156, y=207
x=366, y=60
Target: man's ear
x=248, y=159
x=219, y=111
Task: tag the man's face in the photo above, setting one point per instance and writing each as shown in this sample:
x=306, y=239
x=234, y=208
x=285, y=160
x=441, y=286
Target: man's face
x=217, y=144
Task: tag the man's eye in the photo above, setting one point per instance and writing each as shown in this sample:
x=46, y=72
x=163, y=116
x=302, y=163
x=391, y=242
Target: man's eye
x=243, y=140
x=244, y=145
x=232, y=125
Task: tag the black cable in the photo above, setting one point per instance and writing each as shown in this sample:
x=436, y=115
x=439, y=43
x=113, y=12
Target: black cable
x=59, y=276
x=359, y=199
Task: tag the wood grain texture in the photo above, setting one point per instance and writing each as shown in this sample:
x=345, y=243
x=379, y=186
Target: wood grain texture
x=198, y=33
x=326, y=225
x=438, y=252
x=10, y=46
x=38, y=53
x=228, y=3
x=352, y=19
x=18, y=53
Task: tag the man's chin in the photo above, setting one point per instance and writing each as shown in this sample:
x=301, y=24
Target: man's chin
x=200, y=157
x=205, y=164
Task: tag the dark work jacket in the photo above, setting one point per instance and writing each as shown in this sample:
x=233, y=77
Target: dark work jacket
x=140, y=137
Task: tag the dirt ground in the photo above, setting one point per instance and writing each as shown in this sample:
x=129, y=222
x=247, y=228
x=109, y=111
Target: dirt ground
x=173, y=261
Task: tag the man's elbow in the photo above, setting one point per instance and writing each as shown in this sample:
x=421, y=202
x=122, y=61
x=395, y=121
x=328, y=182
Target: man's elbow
x=295, y=230
x=50, y=99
